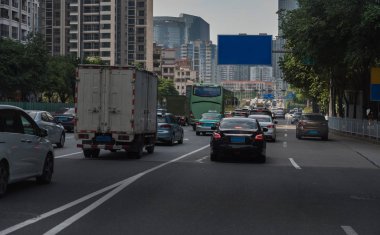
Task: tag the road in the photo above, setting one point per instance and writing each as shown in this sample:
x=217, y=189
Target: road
x=306, y=187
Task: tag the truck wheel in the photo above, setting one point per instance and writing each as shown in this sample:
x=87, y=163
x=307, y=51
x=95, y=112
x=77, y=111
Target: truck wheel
x=91, y=153
x=150, y=149
x=87, y=153
x=95, y=153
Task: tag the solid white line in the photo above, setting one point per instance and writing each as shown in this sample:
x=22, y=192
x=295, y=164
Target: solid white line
x=202, y=159
x=89, y=196
x=66, y=155
x=349, y=230
x=294, y=164
x=99, y=202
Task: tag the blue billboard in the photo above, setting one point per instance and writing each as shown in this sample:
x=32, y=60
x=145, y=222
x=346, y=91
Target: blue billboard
x=245, y=50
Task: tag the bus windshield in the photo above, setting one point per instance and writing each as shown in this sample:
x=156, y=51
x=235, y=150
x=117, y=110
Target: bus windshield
x=206, y=91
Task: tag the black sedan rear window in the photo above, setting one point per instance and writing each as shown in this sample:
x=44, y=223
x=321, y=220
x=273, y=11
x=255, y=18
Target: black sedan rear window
x=314, y=117
x=238, y=124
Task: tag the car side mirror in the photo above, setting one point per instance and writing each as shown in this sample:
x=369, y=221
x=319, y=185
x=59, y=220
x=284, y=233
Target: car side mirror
x=43, y=132
x=265, y=129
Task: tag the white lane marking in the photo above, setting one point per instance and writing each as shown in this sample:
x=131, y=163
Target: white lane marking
x=186, y=139
x=349, y=230
x=70, y=137
x=66, y=155
x=202, y=159
x=89, y=196
x=285, y=135
x=285, y=144
x=99, y=202
x=294, y=164
x=93, y=206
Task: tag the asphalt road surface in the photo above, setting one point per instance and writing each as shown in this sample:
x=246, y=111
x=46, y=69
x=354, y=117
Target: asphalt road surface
x=306, y=187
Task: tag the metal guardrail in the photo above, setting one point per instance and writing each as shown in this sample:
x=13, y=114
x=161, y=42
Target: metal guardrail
x=358, y=127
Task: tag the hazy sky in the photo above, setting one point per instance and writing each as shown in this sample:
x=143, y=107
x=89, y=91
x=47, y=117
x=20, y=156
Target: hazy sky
x=225, y=16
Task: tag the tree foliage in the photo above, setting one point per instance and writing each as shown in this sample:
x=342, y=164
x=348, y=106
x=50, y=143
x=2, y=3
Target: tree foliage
x=165, y=88
x=332, y=46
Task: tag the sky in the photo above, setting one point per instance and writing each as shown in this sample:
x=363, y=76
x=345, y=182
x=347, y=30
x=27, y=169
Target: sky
x=225, y=16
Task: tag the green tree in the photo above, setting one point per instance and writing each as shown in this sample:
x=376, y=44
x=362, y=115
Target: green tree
x=11, y=56
x=165, y=87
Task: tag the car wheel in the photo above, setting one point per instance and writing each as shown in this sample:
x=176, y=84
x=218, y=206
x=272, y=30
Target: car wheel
x=47, y=171
x=197, y=133
x=325, y=137
x=180, y=141
x=4, y=177
x=150, y=149
x=214, y=157
x=61, y=141
x=262, y=159
x=194, y=128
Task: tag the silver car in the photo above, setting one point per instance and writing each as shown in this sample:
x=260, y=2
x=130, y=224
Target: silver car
x=267, y=122
x=24, y=150
x=56, y=132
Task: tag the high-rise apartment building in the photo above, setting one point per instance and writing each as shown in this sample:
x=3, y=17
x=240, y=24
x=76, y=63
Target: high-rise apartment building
x=202, y=55
x=120, y=32
x=54, y=25
x=18, y=18
x=261, y=73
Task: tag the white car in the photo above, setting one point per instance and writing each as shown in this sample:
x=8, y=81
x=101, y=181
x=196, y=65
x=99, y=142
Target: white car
x=267, y=122
x=25, y=152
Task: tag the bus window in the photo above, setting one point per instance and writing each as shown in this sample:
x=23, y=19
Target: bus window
x=204, y=91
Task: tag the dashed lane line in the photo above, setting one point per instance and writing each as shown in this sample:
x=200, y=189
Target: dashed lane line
x=294, y=164
x=349, y=230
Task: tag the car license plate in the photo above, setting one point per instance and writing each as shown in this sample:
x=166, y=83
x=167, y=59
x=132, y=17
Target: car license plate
x=237, y=139
x=313, y=132
x=103, y=138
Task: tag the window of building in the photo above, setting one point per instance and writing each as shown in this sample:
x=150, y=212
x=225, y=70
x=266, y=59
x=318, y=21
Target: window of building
x=131, y=48
x=4, y=30
x=4, y=13
x=106, y=35
x=15, y=3
x=140, y=47
x=131, y=12
x=131, y=21
x=5, y=2
x=73, y=9
x=15, y=16
x=106, y=26
x=14, y=32
x=140, y=30
x=140, y=4
x=73, y=27
x=131, y=3
x=140, y=39
x=106, y=8
x=73, y=18
x=106, y=17
x=141, y=13
x=141, y=21
x=130, y=56
x=105, y=54
x=106, y=44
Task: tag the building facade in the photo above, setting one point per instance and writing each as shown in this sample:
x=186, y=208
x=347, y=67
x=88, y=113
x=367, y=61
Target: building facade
x=202, y=55
x=18, y=18
x=54, y=25
x=119, y=32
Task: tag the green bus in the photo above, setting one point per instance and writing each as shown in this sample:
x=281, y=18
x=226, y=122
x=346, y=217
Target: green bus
x=204, y=98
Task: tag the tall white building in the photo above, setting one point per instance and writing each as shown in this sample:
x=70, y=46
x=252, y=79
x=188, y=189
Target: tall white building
x=261, y=73
x=119, y=31
x=18, y=18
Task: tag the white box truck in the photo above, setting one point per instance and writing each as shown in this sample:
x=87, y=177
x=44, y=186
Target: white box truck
x=115, y=110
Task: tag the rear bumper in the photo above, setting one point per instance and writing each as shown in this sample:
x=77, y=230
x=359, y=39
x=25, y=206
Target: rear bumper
x=238, y=149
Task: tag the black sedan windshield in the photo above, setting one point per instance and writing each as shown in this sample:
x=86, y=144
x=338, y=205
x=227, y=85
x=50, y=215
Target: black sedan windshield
x=238, y=124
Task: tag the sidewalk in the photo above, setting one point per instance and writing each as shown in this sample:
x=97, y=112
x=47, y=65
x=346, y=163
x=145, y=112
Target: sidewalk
x=365, y=147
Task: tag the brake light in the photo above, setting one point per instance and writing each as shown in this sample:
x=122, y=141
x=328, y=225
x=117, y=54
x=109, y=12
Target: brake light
x=198, y=123
x=270, y=126
x=191, y=115
x=216, y=136
x=166, y=126
x=259, y=137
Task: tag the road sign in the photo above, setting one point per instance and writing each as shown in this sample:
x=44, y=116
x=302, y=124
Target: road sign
x=375, y=84
x=268, y=96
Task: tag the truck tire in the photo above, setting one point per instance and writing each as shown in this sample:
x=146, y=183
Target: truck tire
x=150, y=149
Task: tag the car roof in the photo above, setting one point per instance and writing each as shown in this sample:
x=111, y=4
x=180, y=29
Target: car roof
x=5, y=106
x=259, y=115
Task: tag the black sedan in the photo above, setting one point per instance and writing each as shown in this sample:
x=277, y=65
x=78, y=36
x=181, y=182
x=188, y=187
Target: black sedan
x=238, y=136
x=67, y=121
